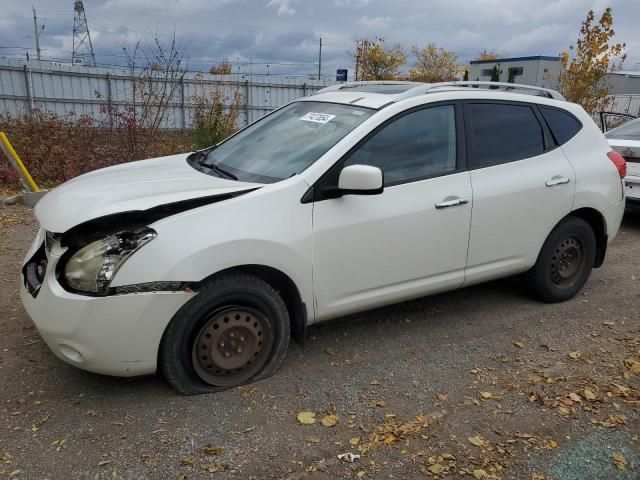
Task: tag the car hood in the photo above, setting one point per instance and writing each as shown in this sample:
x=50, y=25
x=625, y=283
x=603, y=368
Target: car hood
x=128, y=187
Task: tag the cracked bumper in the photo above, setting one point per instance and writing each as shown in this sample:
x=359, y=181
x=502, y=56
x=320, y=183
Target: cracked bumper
x=116, y=335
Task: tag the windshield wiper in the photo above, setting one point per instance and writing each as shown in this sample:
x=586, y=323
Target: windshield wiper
x=201, y=157
x=221, y=171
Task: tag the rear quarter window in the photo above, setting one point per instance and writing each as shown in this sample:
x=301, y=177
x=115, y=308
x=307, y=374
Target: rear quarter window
x=503, y=133
x=563, y=125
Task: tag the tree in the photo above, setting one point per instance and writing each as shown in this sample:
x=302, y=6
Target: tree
x=466, y=75
x=374, y=61
x=583, y=78
x=222, y=69
x=434, y=65
x=485, y=54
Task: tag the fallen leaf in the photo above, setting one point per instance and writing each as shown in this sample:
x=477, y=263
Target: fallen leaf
x=209, y=450
x=575, y=355
x=328, y=420
x=187, y=461
x=14, y=473
x=332, y=351
x=436, y=469
x=519, y=344
x=380, y=403
x=480, y=474
x=442, y=397
x=589, y=394
x=354, y=441
x=633, y=364
x=104, y=462
x=374, y=382
x=307, y=418
x=485, y=395
x=621, y=462
x=551, y=444
x=479, y=441
x=567, y=402
x=575, y=397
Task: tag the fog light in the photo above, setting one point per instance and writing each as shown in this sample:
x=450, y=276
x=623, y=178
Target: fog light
x=71, y=353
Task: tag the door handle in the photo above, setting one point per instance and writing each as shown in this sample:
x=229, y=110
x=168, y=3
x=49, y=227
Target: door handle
x=452, y=202
x=557, y=180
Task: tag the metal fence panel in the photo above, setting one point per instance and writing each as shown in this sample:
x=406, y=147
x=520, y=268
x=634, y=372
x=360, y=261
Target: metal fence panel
x=65, y=89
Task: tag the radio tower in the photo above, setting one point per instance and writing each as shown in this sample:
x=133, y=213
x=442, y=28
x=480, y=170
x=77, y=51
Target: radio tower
x=82, y=47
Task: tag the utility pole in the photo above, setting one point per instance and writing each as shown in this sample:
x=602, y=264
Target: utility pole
x=36, y=31
x=320, y=60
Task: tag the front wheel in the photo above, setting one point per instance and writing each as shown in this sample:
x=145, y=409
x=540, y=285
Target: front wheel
x=564, y=263
x=236, y=330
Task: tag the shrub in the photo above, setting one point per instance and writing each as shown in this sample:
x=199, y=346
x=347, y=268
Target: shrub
x=55, y=149
x=215, y=116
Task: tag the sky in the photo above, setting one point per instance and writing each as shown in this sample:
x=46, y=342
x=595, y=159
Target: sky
x=278, y=37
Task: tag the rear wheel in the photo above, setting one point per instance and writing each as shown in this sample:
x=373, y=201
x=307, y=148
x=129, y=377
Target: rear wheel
x=565, y=261
x=236, y=330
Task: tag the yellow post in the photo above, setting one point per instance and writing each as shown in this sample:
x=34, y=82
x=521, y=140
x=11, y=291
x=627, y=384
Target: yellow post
x=22, y=170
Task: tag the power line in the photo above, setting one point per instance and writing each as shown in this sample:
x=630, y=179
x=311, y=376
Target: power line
x=197, y=59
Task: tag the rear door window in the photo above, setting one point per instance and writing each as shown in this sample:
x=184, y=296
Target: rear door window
x=503, y=133
x=563, y=125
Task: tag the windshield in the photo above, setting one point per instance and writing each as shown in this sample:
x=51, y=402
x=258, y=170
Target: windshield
x=286, y=142
x=628, y=131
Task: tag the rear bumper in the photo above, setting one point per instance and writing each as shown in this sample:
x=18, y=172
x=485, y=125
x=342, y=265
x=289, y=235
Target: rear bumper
x=115, y=335
x=632, y=187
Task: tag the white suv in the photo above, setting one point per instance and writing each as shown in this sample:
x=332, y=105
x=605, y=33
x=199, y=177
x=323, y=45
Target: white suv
x=203, y=265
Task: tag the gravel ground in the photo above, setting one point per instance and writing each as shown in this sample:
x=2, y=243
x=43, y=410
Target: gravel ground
x=480, y=383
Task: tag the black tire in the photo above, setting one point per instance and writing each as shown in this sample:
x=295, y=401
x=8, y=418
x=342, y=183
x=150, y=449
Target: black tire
x=264, y=320
x=564, y=263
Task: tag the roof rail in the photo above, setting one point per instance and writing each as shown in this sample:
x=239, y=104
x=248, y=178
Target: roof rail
x=429, y=87
x=364, y=83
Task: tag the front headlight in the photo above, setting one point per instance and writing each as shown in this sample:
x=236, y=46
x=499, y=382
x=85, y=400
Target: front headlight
x=92, y=268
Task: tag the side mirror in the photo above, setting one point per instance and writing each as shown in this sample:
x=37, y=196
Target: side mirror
x=360, y=180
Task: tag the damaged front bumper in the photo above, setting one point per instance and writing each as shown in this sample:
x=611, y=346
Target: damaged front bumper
x=113, y=335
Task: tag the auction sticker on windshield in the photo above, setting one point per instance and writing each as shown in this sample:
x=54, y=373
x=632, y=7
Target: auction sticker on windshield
x=318, y=117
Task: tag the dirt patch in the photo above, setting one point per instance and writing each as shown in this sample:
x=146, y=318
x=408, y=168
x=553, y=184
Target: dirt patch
x=480, y=383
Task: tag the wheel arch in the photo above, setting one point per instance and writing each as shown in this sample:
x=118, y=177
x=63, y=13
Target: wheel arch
x=598, y=224
x=287, y=289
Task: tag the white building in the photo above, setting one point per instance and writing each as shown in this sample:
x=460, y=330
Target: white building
x=537, y=70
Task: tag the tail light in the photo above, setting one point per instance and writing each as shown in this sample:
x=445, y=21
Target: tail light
x=620, y=163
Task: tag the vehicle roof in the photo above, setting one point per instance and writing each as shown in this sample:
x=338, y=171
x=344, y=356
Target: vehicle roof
x=377, y=95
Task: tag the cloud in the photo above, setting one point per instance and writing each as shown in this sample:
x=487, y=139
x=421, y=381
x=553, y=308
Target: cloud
x=282, y=6
x=373, y=24
x=286, y=37
x=352, y=3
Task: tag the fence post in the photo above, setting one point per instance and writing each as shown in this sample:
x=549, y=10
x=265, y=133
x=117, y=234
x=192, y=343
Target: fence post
x=304, y=89
x=109, y=101
x=182, y=109
x=28, y=85
x=247, y=103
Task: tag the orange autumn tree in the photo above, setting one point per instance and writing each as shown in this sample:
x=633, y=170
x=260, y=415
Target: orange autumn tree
x=376, y=61
x=583, y=79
